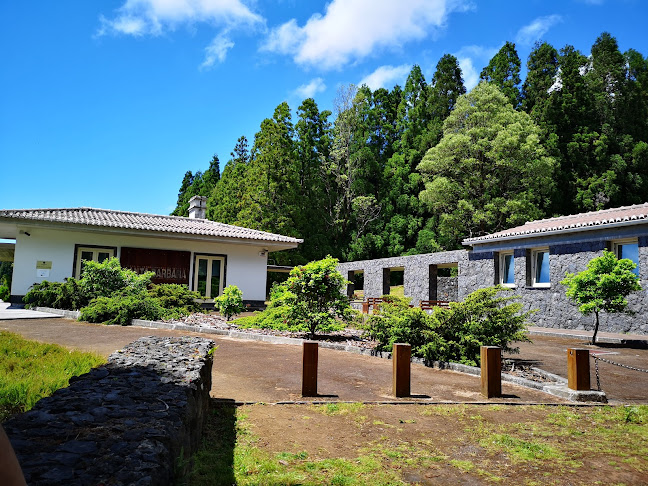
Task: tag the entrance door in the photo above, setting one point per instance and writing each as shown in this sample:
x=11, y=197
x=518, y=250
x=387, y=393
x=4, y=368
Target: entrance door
x=208, y=276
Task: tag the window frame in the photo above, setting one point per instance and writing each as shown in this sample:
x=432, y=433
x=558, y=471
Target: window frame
x=502, y=266
x=534, y=264
x=616, y=244
x=210, y=257
x=95, y=249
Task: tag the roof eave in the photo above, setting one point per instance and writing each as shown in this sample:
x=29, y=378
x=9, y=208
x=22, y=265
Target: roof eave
x=577, y=229
x=276, y=245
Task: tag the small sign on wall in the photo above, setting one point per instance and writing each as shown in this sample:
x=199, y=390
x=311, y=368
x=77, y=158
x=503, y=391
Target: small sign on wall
x=43, y=268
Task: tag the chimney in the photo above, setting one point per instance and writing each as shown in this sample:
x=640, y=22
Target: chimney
x=197, y=207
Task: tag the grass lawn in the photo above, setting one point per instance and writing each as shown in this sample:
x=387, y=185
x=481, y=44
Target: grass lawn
x=355, y=444
x=30, y=370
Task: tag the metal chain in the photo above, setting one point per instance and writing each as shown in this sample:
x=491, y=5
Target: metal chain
x=598, y=380
x=618, y=364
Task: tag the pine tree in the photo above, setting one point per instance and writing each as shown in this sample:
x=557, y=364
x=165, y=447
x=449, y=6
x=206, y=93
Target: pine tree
x=503, y=71
x=226, y=199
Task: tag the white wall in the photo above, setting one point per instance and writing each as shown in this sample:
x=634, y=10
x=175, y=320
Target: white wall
x=245, y=268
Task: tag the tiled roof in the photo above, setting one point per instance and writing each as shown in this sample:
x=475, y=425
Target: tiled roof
x=575, y=222
x=143, y=222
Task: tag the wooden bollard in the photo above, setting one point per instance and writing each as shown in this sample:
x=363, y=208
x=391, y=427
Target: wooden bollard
x=491, y=371
x=401, y=376
x=578, y=369
x=309, y=370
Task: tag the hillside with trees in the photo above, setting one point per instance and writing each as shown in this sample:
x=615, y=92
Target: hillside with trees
x=421, y=167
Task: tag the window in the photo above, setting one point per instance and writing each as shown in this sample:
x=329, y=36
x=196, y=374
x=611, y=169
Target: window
x=209, y=275
x=540, y=268
x=506, y=269
x=90, y=253
x=627, y=249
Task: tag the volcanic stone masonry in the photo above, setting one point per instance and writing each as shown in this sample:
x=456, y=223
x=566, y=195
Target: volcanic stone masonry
x=478, y=269
x=135, y=420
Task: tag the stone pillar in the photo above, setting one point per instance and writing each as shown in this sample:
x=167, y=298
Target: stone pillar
x=373, y=282
x=401, y=374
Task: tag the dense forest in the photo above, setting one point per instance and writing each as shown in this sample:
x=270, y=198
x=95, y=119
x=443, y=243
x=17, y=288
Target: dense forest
x=421, y=167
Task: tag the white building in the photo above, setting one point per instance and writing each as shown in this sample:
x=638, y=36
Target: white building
x=50, y=244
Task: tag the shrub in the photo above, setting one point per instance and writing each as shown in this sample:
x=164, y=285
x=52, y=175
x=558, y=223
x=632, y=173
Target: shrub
x=272, y=318
x=108, y=278
x=317, y=296
x=230, y=303
x=174, y=296
x=121, y=309
x=455, y=334
x=43, y=294
x=5, y=293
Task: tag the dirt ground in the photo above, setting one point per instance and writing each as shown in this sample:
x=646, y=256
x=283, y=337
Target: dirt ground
x=250, y=371
x=427, y=445
x=255, y=371
x=440, y=445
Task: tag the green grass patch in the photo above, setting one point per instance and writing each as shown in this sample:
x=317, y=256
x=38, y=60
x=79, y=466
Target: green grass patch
x=338, y=408
x=519, y=449
x=31, y=370
x=543, y=446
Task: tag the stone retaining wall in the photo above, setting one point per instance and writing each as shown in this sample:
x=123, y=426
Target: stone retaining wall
x=135, y=420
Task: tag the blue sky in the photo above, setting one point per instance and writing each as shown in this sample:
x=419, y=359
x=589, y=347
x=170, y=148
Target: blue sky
x=107, y=104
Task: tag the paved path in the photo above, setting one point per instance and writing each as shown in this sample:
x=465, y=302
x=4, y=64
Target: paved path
x=621, y=385
x=9, y=312
x=256, y=371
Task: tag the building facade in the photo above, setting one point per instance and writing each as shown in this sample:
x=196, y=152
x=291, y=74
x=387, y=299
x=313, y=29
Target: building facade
x=206, y=256
x=531, y=260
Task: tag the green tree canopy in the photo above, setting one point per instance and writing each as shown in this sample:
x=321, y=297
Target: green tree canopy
x=489, y=171
x=603, y=286
x=503, y=71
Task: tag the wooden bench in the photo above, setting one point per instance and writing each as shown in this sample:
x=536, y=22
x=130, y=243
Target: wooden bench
x=431, y=304
x=371, y=301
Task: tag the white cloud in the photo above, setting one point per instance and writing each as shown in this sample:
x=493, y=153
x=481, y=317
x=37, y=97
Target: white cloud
x=154, y=17
x=467, y=57
x=216, y=50
x=350, y=30
x=386, y=77
x=528, y=34
x=311, y=89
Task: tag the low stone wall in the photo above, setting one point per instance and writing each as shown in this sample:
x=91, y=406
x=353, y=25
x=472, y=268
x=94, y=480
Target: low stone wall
x=135, y=420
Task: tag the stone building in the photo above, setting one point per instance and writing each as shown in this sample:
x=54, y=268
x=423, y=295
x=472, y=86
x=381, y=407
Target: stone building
x=532, y=260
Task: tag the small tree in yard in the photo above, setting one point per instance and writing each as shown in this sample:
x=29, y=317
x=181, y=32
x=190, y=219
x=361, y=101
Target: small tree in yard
x=316, y=296
x=603, y=286
x=230, y=303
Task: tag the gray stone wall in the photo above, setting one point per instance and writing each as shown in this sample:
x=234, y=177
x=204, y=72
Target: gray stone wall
x=135, y=420
x=554, y=309
x=416, y=275
x=447, y=288
x=479, y=268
